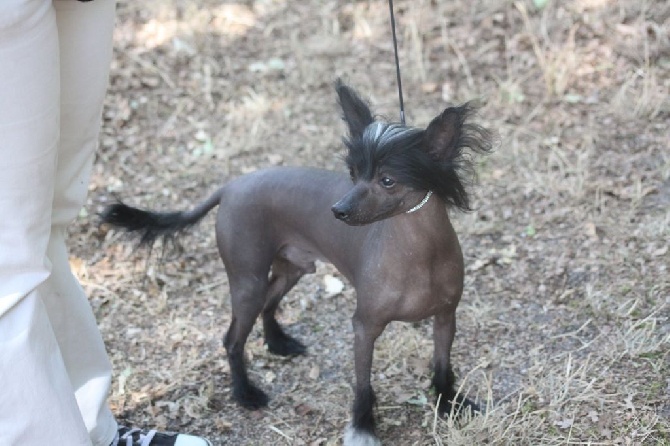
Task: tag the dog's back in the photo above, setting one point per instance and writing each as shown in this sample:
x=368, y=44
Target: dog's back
x=267, y=210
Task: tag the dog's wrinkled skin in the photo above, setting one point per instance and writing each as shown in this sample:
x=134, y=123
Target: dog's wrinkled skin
x=272, y=225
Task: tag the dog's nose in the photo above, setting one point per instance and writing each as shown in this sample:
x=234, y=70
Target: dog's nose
x=340, y=213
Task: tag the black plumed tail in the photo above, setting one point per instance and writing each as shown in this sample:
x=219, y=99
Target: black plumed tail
x=151, y=225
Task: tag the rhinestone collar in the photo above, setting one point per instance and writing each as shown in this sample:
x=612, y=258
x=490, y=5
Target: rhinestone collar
x=421, y=204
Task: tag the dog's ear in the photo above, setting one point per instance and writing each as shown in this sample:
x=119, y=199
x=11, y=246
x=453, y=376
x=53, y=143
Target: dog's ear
x=356, y=112
x=443, y=132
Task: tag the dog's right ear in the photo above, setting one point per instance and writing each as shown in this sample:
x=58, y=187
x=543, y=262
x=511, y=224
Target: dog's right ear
x=356, y=112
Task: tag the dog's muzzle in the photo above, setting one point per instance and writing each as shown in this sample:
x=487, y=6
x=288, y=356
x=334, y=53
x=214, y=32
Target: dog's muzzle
x=341, y=211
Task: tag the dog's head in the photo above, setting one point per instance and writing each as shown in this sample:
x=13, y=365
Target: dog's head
x=393, y=166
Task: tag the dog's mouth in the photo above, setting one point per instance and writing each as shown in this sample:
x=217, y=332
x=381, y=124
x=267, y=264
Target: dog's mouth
x=356, y=219
x=350, y=219
x=353, y=222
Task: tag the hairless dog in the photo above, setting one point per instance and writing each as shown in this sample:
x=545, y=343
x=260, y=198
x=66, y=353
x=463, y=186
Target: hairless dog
x=385, y=227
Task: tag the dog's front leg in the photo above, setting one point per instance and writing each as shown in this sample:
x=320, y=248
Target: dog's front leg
x=444, y=329
x=361, y=431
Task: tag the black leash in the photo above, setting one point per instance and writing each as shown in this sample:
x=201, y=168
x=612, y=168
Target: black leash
x=397, y=64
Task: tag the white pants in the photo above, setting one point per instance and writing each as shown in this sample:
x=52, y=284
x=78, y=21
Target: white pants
x=54, y=371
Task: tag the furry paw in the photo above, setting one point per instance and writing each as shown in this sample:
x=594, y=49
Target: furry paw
x=359, y=437
x=458, y=407
x=469, y=404
x=250, y=397
x=285, y=345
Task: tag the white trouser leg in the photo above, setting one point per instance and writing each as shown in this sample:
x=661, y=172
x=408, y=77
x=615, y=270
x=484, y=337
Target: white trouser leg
x=53, y=367
x=85, y=36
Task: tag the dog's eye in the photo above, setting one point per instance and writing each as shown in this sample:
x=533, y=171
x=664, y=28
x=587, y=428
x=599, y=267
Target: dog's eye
x=387, y=182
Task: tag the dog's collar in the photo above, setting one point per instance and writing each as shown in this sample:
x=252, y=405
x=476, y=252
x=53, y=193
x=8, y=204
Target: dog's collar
x=420, y=205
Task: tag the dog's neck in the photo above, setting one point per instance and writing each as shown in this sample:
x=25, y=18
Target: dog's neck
x=421, y=204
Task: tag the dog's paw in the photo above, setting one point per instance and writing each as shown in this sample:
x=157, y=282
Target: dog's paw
x=250, y=397
x=359, y=437
x=285, y=345
x=471, y=405
x=459, y=407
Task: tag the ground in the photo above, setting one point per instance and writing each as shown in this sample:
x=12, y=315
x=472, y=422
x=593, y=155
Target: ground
x=564, y=327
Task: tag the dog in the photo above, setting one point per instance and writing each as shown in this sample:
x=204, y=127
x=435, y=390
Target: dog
x=385, y=227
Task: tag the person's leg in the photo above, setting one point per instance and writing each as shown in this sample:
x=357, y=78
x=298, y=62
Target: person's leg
x=85, y=41
x=85, y=36
x=37, y=404
x=54, y=61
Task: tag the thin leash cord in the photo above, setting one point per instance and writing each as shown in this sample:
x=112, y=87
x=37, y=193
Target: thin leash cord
x=397, y=64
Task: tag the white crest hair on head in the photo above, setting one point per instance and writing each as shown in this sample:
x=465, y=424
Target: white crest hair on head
x=383, y=132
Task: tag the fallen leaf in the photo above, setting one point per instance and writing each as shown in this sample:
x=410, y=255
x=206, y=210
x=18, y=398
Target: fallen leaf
x=201, y=136
x=333, y=285
x=273, y=64
x=429, y=87
x=403, y=397
x=629, y=403
x=303, y=409
x=660, y=252
x=565, y=424
x=223, y=425
x=420, y=400
x=572, y=98
x=275, y=159
x=530, y=230
x=591, y=229
x=123, y=377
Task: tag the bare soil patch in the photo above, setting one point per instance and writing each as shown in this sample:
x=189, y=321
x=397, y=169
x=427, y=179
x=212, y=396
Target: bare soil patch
x=564, y=328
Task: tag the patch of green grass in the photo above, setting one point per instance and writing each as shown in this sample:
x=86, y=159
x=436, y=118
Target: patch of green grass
x=652, y=355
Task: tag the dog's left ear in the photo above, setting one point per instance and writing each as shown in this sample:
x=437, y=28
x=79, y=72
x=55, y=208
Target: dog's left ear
x=443, y=132
x=356, y=112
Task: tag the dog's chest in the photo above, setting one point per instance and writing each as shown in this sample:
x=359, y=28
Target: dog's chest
x=413, y=281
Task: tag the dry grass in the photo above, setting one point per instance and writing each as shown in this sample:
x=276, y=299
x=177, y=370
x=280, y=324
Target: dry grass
x=564, y=330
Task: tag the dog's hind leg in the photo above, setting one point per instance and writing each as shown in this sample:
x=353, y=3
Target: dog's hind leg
x=247, y=298
x=284, y=277
x=289, y=265
x=444, y=329
x=361, y=431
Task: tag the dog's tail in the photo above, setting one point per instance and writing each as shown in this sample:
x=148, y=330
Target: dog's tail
x=150, y=225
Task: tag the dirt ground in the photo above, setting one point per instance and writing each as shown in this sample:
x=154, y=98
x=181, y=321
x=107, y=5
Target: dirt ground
x=564, y=327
